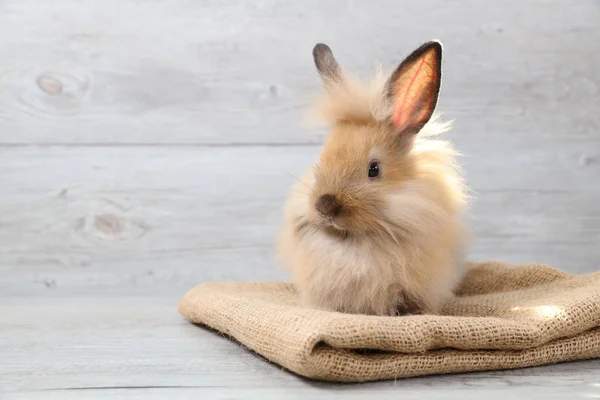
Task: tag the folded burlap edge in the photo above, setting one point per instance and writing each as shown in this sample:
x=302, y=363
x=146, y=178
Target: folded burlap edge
x=311, y=357
x=336, y=365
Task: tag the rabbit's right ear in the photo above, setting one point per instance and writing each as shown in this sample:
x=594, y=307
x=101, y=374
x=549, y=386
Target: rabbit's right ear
x=415, y=86
x=326, y=64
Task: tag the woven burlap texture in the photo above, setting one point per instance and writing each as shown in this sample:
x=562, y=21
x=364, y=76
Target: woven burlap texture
x=504, y=316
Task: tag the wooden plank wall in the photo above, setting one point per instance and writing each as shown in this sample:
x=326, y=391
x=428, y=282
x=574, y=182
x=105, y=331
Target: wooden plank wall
x=150, y=144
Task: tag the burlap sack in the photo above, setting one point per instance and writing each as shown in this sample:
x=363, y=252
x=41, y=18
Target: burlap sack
x=504, y=317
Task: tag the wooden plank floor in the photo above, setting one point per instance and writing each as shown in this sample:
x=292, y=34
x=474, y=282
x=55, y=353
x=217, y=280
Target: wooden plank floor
x=148, y=146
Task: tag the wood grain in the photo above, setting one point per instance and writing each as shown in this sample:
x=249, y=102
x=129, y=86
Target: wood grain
x=150, y=219
x=178, y=71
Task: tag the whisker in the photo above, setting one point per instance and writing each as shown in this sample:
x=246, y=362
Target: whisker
x=302, y=181
x=386, y=227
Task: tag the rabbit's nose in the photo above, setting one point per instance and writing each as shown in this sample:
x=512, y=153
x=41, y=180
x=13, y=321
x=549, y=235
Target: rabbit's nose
x=328, y=205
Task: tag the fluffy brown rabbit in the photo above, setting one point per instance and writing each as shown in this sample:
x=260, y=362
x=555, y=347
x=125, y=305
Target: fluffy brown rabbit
x=377, y=225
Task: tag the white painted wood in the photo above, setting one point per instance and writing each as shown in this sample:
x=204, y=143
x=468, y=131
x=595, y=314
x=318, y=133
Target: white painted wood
x=139, y=347
x=178, y=71
x=527, y=391
x=150, y=219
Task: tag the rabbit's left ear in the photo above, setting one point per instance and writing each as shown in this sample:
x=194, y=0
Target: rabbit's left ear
x=414, y=88
x=327, y=65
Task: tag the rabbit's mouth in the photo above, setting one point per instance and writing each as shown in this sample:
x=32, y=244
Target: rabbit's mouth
x=329, y=222
x=332, y=226
x=328, y=226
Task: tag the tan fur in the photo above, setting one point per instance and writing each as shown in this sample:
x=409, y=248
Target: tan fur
x=399, y=245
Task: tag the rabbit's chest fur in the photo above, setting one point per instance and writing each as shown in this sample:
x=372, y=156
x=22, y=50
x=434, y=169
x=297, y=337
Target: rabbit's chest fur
x=354, y=276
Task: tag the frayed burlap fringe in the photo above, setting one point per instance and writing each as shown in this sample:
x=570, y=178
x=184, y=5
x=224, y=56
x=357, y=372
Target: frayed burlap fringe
x=503, y=317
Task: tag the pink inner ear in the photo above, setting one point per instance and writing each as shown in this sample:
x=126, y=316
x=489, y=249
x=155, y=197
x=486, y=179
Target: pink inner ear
x=414, y=91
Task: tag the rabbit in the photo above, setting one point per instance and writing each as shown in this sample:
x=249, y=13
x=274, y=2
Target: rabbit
x=377, y=226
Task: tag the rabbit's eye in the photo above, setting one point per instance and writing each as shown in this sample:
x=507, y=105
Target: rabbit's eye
x=374, y=169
